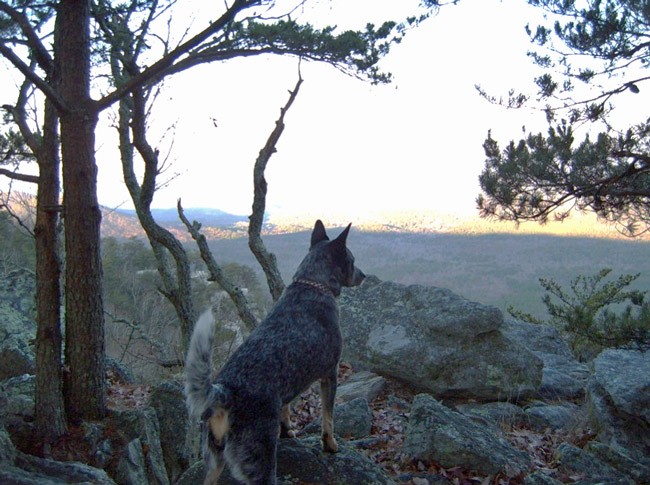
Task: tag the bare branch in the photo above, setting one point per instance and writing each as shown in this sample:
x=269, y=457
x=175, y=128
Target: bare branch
x=29, y=73
x=266, y=259
x=216, y=272
x=32, y=179
x=177, y=285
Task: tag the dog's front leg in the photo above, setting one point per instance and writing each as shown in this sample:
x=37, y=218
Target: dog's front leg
x=327, y=396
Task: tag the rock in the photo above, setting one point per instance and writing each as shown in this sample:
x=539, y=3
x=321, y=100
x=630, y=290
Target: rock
x=7, y=449
x=625, y=376
x=619, y=402
x=17, y=334
x=575, y=461
x=168, y=401
x=540, y=478
x=436, y=433
x=17, y=290
x=541, y=416
x=424, y=479
x=141, y=424
x=19, y=408
x=101, y=448
x=620, y=460
x=352, y=420
x=17, y=328
x=345, y=467
x=131, y=468
x=563, y=377
x=435, y=340
x=362, y=384
x=303, y=461
x=118, y=372
x=500, y=414
x=32, y=470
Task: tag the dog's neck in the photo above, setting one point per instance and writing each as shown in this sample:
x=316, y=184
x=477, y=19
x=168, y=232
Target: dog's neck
x=323, y=288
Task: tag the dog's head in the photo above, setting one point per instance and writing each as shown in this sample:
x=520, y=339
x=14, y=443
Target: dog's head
x=330, y=262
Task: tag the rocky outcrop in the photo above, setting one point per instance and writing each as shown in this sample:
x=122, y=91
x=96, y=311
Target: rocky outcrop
x=436, y=433
x=363, y=384
x=168, y=402
x=435, y=340
x=563, y=377
x=303, y=461
x=618, y=397
x=481, y=376
x=21, y=469
x=18, y=408
x=574, y=461
x=18, y=328
x=142, y=457
x=352, y=420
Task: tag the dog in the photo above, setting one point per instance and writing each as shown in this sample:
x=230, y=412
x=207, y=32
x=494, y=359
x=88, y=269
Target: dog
x=246, y=407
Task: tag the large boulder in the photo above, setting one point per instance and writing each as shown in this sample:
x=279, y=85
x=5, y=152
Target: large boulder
x=17, y=327
x=21, y=469
x=563, y=377
x=139, y=430
x=618, y=398
x=17, y=290
x=436, y=341
x=168, y=401
x=437, y=434
x=352, y=420
x=303, y=461
x=17, y=410
x=361, y=384
x=574, y=461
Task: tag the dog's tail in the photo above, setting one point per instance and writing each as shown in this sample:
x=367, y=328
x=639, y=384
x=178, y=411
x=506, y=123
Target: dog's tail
x=200, y=394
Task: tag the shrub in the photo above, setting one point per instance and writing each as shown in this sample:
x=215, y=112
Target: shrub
x=586, y=316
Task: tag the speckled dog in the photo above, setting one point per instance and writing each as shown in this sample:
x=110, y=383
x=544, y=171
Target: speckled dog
x=299, y=341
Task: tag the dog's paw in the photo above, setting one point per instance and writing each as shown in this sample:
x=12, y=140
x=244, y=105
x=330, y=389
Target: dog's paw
x=329, y=444
x=287, y=433
x=285, y=430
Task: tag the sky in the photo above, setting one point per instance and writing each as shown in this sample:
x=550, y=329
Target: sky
x=348, y=147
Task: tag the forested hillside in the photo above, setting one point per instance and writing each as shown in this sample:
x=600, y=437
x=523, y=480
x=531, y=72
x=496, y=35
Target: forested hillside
x=492, y=267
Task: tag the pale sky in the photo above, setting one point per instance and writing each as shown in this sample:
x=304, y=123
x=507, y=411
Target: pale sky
x=348, y=147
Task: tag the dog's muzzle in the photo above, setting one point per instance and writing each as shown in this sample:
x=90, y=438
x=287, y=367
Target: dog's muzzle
x=357, y=277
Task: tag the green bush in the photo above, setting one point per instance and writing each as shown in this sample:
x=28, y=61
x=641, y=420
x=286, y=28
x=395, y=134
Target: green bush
x=586, y=316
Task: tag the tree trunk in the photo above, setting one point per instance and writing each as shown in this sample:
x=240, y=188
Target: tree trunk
x=50, y=413
x=85, y=386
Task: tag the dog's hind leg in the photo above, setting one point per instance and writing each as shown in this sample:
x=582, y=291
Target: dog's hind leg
x=212, y=475
x=213, y=457
x=251, y=449
x=327, y=396
x=285, y=423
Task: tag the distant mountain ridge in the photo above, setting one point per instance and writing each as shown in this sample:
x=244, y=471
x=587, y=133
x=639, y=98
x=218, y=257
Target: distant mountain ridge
x=215, y=223
x=207, y=216
x=218, y=224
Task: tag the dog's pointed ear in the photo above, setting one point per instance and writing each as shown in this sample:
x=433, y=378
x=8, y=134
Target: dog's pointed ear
x=342, y=238
x=318, y=234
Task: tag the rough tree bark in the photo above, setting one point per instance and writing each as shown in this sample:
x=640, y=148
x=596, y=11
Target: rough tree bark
x=50, y=415
x=85, y=385
x=50, y=420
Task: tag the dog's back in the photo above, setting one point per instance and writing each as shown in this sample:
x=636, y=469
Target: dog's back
x=297, y=343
